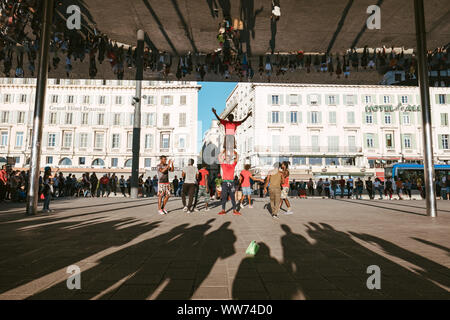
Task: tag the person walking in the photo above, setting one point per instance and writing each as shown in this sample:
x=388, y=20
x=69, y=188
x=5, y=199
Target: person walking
x=378, y=186
x=203, y=186
x=319, y=187
x=47, y=189
x=3, y=183
x=123, y=186
x=113, y=184
x=342, y=186
x=190, y=175
x=175, y=183
x=163, y=169
x=359, y=188
x=326, y=188
x=349, y=187
x=388, y=188
x=94, y=182
x=399, y=188
x=407, y=186
x=245, y=177
x=334, y=184
x=273, y=183
x=104, y=184
x=227, y=165
x=369, y=188
x=285, y=187
x=311, y=187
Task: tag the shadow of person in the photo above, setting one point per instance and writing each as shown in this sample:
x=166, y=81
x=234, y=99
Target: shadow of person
x=218, y=244
x=262, y=277
x=113, y=269
x=425, y=268
x=343, y=262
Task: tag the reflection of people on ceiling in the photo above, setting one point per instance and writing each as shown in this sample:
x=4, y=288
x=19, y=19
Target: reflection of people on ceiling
x=276, y=9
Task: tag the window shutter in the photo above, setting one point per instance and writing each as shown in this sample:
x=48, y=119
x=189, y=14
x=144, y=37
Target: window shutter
x=375, y=139
x=269, y=99
x=375, y=117
x=327, y=99
x=45, y=141
x=288, y=99
x=447, y=99
x=309, y=116
x=281, y=116
x=281, y=97
x=90, y=137
x=269, y=117
x=364, y=114
x=365, y=140
x=308, y=99
x=299, y=117
x=440, y=141
x=337, y=98
x=57, y=139
x=320, y=117
x=393, y=118
x=413, y=141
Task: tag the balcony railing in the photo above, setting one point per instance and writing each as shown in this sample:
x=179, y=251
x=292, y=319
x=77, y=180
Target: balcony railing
x=308, y=150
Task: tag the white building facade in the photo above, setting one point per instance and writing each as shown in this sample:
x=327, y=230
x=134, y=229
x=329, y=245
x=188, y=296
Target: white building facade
x=89, y=123
x=334, y=130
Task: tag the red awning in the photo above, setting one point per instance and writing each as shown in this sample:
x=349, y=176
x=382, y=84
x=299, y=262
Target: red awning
x=380, y=175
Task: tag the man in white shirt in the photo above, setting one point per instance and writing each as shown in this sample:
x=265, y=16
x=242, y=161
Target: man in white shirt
x=190, y=175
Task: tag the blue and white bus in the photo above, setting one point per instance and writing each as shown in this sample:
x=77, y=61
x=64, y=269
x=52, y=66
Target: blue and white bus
x=414, y=171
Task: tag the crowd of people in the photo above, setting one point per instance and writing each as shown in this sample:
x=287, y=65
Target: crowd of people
x=198, y=184
x=19, y=44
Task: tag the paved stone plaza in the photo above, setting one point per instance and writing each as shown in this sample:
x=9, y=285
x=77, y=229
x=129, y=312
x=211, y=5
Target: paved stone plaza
x=127, y=251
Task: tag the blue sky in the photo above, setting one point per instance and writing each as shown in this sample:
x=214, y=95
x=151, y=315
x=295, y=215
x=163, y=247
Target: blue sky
x=212, y=94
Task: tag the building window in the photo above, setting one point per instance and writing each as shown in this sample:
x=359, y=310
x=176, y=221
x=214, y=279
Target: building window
x=83, y=140
x=275, y=99
x=387, y=118
x=332, y=117
x=314, y=117
x=147, y=162
x=131, y=119
x=406, y=118
x=368, y=99
x=275, y=116
x=23, y=98
x=331, y=100
x=114, y=162
x=370, y=143
x=99, y=140
x=84, y=118
x=182, y=142
x=148, y=141
x=293, y=99
x=166, y=119
x=389, y=140
x=55, y=98
x=70, y=99
x=115, y=141
x=404, y=99
x=386, y=99
x=49, y=160
x=444, y=119
x=117, y=119
x=350, y=117
x=182, y=100
x=442, y=99
x=4, y=139
x=19, y=139
x=165, y=140
x=315, y=143
x=118, y=99
x=100, y=119
x=86, y=100
x=333, y=144
x=98, y=162
x=150, y=119
x=52, y=118
x=129, y=140
x=81, y=161
x=444, y=141
x=350, y=99
x=21, y=117
x=351, y=143
x=369, y=118
x=167, y=100
x=294, y=143
x=51, y=140
x=102, y=100
x=67, y=141
x=182, y=120
x=407, y=141
x=151, y=100
x=5, y=116
x=294, y=117
x=68, y=118
x=7, y=98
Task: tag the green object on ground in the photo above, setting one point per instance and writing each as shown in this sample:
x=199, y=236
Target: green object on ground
x=252, y=248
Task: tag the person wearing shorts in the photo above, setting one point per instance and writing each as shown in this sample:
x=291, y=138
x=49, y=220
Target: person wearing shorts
x=245, y=177
x=163, y=169
x=203, y=187
x=228, y=188
x=285, y=187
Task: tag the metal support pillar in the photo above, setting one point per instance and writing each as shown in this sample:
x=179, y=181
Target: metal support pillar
x=423, y=81
x=38, y=120
x=137, y=115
